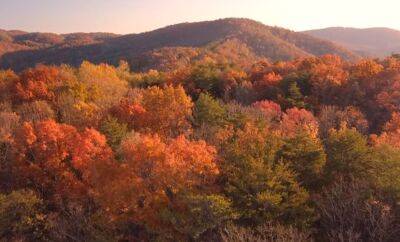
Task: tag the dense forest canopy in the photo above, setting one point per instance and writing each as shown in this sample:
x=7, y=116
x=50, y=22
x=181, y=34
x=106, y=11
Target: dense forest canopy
x=211, y=150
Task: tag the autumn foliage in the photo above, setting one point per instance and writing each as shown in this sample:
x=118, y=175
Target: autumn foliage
x=37, y=84
x=100, y=153
x=153, y=175
x=58, y=161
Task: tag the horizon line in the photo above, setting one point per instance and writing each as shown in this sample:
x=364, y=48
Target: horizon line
x=187, y=22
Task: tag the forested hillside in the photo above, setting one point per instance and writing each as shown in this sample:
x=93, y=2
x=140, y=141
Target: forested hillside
x=13, y=40
x=207, y=150
x=254, y=38
x=370, y=42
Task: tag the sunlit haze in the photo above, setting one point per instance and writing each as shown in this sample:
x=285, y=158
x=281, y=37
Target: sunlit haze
x=134, y=16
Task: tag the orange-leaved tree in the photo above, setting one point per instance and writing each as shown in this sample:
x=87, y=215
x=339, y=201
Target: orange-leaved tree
x=59, y=162
x=295, y=120
x=167, y=111
x=37, y=84
x=153, y=174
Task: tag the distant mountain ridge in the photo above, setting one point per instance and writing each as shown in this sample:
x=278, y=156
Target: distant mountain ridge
x=369, y=42
x=254, y=39
x=15, y=41
x=45, y=40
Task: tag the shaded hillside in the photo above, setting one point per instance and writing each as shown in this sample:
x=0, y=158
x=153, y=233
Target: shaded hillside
x=262, y=41
x=372, y=42
x=14, y=40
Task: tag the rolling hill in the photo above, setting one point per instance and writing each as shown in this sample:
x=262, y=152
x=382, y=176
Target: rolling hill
x=370, y=42
x=241, y=38
x=34, y=41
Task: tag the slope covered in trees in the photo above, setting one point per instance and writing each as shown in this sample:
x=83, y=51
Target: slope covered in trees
x=372, y=42
x=13, y=40
x=259, y=40
x=300, y=150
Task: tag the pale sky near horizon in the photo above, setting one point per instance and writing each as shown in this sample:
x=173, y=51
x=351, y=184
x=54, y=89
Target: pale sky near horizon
x=135, y=16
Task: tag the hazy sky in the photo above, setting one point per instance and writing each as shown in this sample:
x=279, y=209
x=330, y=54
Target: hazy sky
x=133, y=16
